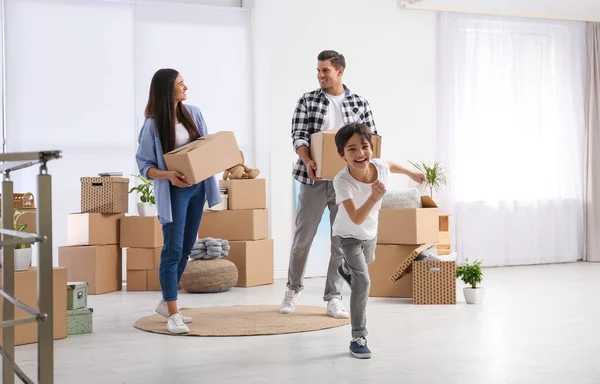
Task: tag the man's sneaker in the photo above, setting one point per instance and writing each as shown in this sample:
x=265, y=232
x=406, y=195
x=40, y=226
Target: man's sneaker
x=163, y=310
x=345, y=276
x=289, y=301
x=359, y=349
x=335, y=309
x=175, y=325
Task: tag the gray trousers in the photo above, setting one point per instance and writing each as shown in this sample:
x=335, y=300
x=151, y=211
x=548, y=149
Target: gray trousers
x=358, y=254
x=312, y=201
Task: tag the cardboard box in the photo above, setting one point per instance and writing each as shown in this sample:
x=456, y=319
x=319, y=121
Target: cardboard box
x=407, y=226
x=324, y=152
x=143, y=280
x=242, y=225
x=254, y=261
x=108, y=194
x=141, y=232
x=434, y=282
x=137, y=280
x=205, y=157
x=152, y=280
x=29, y=218
x=143, y=258
x=93, y=228
x=26, y=292
x=99, y=265
x=387, y=260
x=246, y=194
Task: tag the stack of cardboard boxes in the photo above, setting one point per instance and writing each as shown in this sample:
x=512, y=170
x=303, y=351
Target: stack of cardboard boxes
x=245, y=224
x=143, y=238
x=92, y=253
x=401, y=232
x=26, y=283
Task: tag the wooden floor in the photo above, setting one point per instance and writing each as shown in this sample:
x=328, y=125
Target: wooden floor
x=537, y=325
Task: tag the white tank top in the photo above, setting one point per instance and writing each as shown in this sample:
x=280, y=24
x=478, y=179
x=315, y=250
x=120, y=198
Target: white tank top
x=182, y=137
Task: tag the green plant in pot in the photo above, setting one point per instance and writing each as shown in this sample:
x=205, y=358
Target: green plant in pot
x=471, y=274
x=435, y=175
x=23, y=253
x=145, y=190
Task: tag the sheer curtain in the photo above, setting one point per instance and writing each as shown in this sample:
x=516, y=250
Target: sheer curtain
x=511, y=134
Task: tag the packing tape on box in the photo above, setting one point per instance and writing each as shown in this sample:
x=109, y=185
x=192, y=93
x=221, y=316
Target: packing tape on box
x=406, y=267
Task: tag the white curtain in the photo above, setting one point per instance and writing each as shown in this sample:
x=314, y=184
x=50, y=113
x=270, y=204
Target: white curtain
x=511, y=128
x=592, y=249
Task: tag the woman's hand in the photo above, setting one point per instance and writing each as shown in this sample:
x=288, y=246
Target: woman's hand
x=177, y=179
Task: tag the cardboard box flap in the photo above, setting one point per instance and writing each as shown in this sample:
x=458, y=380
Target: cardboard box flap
x=188, y=147
x=406, y=267
x=428, y=202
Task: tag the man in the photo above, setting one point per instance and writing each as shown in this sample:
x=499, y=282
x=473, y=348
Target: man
x=329, y=107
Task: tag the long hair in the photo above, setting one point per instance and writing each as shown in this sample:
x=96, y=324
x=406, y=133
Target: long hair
x=161, y=107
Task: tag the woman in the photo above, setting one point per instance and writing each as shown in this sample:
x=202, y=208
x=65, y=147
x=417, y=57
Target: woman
x=170, y=124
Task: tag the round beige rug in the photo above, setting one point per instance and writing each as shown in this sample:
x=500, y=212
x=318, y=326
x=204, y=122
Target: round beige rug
x=246, y=320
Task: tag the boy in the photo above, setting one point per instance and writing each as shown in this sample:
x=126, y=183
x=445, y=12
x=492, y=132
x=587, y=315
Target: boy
x=359, y=188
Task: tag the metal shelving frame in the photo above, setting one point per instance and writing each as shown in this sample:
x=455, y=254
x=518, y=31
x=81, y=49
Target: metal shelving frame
x=43, y=314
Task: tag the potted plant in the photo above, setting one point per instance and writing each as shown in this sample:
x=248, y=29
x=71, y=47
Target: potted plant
x=471, y=274
x=435, y=175
x=147, y=205
x=23, y=252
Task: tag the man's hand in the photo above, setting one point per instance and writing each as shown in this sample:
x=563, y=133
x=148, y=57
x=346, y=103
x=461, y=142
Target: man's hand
x=417, y=176
x=377, y=191
x=177, y=178
x=311, y=168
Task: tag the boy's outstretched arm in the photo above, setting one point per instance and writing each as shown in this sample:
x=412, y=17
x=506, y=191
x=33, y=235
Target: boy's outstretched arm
x=417, y=176
x=358, y=215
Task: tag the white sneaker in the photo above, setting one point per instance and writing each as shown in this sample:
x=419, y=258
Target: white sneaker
x=175, y=325
x=289, y=301
x=163, y=310
x=335, y=309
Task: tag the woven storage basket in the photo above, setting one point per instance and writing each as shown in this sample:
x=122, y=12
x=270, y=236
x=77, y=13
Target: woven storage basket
x=434, y=282
x=104, y=194
x=209, y=276
x=22, y=200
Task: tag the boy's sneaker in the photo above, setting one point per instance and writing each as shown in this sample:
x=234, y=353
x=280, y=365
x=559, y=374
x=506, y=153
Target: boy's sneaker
x=335, y=309
x=163, y=310
x=175, y=325
x=359, y=349
x=345, y=276
x=289, y=301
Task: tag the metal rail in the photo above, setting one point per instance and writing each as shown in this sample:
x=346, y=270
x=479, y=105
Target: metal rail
x=43, y=314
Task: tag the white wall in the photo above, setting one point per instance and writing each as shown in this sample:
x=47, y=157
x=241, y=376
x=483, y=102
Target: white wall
x=390, y=56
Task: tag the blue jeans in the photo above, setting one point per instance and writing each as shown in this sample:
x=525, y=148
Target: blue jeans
x=187, y=205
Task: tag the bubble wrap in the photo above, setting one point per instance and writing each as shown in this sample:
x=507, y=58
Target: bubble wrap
x=402, y=198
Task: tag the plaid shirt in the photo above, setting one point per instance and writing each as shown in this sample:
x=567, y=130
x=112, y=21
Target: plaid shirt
x=309, y=118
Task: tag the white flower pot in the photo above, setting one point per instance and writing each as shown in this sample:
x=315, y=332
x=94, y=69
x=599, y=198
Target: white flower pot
x=473, y=295
x=23, y=258
x=146, y=209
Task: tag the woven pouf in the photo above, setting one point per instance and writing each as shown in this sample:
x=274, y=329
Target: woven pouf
x=209, y=276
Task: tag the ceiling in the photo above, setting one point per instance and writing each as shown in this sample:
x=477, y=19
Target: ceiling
x=587, y=10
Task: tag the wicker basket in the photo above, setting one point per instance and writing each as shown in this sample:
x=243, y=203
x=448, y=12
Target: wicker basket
x=104, y=194
x=22, y=200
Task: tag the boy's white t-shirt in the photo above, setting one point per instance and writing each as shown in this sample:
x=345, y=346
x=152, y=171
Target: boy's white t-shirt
x=347, y=187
